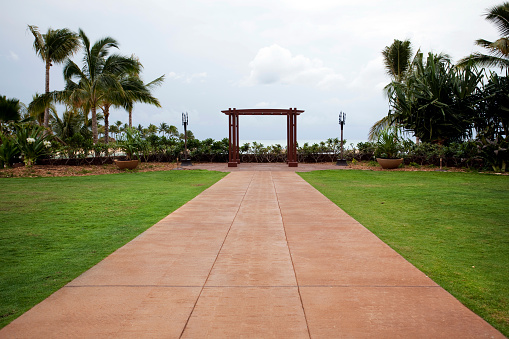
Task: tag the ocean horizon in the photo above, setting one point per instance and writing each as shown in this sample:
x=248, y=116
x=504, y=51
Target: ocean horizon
x=272, y=142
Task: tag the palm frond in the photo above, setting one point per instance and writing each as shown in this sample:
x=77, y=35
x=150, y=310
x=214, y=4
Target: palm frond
x=39, y=44
x=378, y=127
x=499, y=15
x=397, y=58
x=156, y=82
x=60, y=44
x=483, y=60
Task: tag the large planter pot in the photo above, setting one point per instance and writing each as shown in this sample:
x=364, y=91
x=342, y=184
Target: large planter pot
x=127, y=164
x=389, y=163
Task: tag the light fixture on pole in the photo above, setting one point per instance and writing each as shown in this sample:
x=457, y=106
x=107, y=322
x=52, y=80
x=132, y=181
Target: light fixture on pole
x=342, y=121
x=185, y=161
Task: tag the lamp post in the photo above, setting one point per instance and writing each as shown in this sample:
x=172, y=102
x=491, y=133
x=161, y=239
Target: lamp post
x=342, y=121
x=185, y=161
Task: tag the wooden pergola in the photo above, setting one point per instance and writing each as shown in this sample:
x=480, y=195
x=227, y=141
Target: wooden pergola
x=291, y=131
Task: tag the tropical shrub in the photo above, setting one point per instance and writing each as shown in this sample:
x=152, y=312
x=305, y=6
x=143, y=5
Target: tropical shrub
x=32, y=142
x=8, y=151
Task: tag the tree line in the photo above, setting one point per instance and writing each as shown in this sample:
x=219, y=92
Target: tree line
x=439, y=102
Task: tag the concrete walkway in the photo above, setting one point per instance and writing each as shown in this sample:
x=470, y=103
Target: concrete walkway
x=257, y=255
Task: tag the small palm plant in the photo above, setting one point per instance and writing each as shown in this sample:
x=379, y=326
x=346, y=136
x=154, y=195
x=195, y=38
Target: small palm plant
x=130, y=143
x=388, y=145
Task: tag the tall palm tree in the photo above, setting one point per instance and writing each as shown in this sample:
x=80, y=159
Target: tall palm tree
x=100, y=76
x=498, y=51
x=118, y=96
x=54, y=47
x=398, y=63
x=138, y=91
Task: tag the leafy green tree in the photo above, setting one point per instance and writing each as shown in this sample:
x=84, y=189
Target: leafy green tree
x=437, y=100
x=492, y=122
x=498, y=51
x=54, y=47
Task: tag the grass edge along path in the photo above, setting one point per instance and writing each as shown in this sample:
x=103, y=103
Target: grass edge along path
x=452, y=226
x=54, y=229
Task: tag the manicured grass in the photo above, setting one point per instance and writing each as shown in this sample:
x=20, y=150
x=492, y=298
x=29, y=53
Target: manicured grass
x=452, y=226
x=53, y=229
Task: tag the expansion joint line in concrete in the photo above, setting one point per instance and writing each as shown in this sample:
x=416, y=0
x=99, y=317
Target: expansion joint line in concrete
x=215, y=260
x=291, y=257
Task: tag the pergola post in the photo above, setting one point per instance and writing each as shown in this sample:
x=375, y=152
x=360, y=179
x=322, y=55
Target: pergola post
x=237, y=150
x=292, y=146
x=233, y=137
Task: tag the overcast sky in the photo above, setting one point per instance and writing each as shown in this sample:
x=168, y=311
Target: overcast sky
x=322, y=56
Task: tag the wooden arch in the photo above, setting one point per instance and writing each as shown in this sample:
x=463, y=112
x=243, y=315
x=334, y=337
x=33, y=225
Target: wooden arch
x=291, y=131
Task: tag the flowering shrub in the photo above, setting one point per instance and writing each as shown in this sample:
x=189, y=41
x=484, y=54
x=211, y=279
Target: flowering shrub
x=32, y=142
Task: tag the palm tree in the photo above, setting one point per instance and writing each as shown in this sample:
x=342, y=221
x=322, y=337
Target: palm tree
x=152, y=129
x=118, y=96
x=10, y=109
x=53, y=47
x=498, y=51
x=398, y=63
x=137, y=91
x=397, y=59
x=114, y=130
x=39, y=105
x=173, y=131
x=163, y=128
x=92, y=85
x=71, y=123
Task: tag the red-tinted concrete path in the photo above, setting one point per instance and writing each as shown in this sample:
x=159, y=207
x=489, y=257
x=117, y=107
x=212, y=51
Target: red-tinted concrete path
x=257, y=255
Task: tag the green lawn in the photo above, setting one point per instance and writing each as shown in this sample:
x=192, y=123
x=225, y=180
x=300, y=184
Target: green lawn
x=53, y=229
x=452, y=226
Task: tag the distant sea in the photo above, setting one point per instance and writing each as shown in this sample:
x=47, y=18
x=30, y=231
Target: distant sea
x=301, y=142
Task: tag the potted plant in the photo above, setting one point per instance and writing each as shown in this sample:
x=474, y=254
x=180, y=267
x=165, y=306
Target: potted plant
x=130, y=143
x=388, y=148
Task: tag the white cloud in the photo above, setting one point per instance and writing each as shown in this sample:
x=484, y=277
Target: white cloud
x=276, y=64
x=186, y=78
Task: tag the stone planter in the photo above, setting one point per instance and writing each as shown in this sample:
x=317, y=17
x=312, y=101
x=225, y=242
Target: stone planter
x=389, y=163
x=127, y=164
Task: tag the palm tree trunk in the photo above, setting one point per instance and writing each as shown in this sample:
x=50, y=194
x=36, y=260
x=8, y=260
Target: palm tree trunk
x=46, y=110
x=106, y=112
x=130, y=118
x=95, y=133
